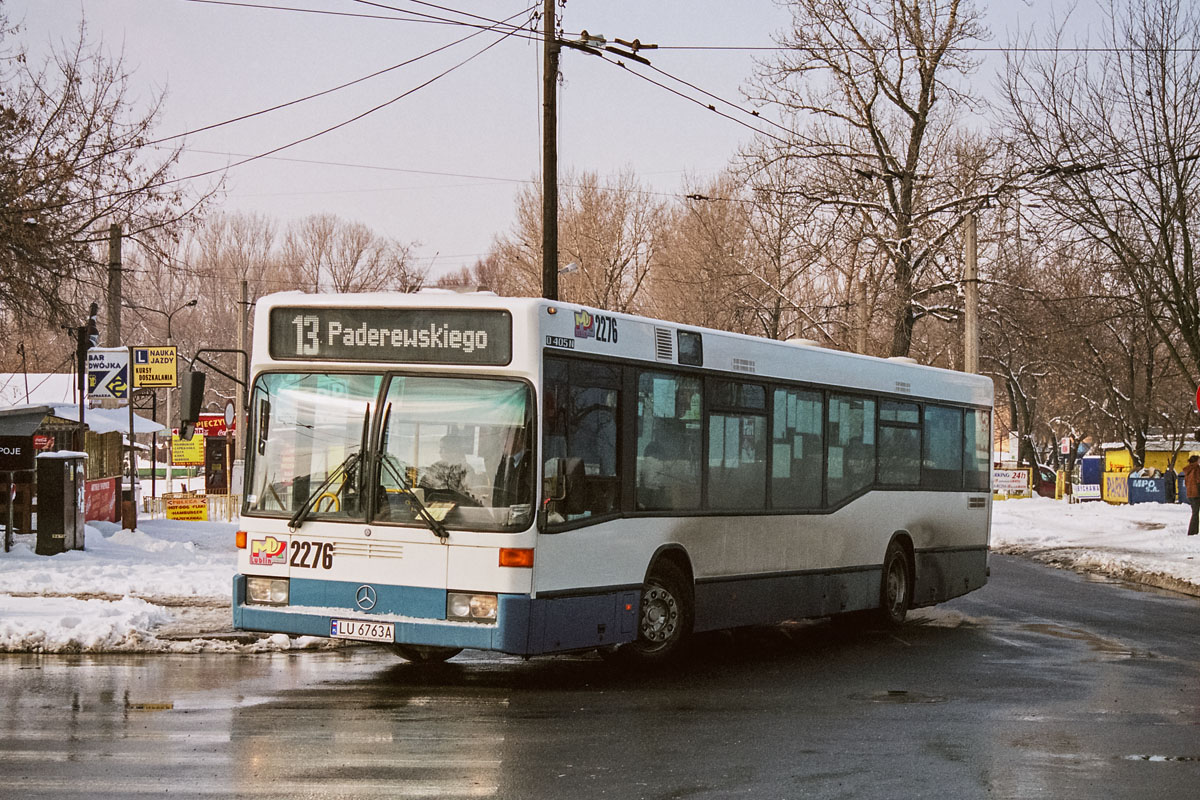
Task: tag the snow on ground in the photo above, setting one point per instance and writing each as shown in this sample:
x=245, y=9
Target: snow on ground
x=166, y=586
x=1146, y=543
x=158, y=588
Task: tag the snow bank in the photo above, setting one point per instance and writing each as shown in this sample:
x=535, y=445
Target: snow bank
x=1146, y=543
x=129, y=591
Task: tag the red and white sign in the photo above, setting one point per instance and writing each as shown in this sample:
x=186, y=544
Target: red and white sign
x=42, y=442
x=213, y=425
x=1010, y=481
x=100, y=500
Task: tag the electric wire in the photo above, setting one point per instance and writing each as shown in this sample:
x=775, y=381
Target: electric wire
x=280, y=148
x=415, y=16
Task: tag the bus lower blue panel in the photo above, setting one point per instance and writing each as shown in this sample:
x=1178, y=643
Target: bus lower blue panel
x=407, y=601
x=943, y=574
x=524, y=626
x=761, y=600
x=576, y=623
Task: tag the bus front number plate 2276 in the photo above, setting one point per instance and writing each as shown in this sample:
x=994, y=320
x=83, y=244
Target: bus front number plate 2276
x=362, y=631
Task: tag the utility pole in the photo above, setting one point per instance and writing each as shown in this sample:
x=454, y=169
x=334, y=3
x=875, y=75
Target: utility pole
x=970, y=297
x=112, y=335
x=239, y=424
x=864, y=318
x=550, y=156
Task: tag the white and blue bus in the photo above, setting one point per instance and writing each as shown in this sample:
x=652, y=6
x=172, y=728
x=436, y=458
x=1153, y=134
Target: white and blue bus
x=439, y=471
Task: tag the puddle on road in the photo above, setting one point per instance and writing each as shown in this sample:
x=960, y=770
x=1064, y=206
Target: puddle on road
x=899, y=697
x=1105, y=647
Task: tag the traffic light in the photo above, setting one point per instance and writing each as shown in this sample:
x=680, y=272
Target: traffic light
x=191, y=401
x=88, y=335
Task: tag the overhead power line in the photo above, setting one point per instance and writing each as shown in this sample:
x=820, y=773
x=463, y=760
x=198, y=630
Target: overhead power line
x=412, y=16
x=295, y=142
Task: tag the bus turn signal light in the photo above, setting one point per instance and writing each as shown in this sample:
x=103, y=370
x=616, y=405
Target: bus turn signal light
x=516, y=556
x=241, y=540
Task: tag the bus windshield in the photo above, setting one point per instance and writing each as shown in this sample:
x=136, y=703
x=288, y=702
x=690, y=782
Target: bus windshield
x=456, y=450
x=311, y=430
x=462, y=446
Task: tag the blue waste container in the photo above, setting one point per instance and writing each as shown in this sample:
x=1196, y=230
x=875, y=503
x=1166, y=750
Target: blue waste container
x=1147, y=490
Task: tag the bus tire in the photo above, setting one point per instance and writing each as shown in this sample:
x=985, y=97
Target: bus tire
x=425, y=654
x=665, y=617
x=896, y=586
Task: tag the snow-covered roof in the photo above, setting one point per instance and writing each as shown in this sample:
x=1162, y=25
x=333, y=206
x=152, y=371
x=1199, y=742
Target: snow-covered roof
x=1158, y=444
x=103, y=420
x=18, y=388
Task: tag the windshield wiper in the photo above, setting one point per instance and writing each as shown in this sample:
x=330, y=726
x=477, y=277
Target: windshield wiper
x=343, y=468
x=419, y=504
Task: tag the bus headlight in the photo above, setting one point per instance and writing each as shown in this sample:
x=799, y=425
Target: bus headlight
x=267, y=591
x=471, y=607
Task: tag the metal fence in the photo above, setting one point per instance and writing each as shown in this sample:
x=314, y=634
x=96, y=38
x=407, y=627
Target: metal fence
x=216, y=507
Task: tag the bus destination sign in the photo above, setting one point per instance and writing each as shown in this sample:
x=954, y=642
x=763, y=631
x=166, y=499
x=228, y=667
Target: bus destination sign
x=408, y=335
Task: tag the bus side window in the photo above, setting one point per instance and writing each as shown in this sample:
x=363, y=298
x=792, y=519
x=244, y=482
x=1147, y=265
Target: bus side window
x=582, y=414
x=850, y=459
x=798, y=449
x=668, y=442
x=977, y=450
x=942, y=459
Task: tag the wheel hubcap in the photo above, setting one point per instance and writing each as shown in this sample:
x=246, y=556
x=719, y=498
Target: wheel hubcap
x=660, y=615
x=897, y=587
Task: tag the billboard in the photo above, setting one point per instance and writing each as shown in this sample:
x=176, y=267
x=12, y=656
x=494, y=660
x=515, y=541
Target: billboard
x=108, y=373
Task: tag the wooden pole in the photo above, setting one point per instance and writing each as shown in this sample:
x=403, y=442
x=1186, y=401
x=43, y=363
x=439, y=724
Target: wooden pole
x=550, y=158
x=971, y=298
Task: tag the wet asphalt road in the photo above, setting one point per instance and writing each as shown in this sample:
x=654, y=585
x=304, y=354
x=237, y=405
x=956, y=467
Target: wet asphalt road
x=1043, y=684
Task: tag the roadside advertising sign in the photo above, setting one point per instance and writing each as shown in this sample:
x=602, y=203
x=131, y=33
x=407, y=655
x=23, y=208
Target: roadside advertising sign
x=212, y=425
x=154, y=367
x=108, y=373
x=16, y=453
x=187, y=452
x=1010, y=481
x=191, y=508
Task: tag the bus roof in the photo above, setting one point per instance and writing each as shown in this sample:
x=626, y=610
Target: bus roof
x=573, y=328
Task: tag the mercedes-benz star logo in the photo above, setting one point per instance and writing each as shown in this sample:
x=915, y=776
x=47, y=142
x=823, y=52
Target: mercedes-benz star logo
x=366, y=597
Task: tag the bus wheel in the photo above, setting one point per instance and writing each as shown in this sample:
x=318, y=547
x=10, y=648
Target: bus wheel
x=665, y=617
x=895, y=593
x=425, y=654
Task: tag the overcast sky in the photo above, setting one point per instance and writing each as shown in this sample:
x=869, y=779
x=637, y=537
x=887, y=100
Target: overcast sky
x=442, y=165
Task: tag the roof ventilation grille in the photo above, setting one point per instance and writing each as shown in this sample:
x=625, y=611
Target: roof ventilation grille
x=664, y=344
x=744, y=365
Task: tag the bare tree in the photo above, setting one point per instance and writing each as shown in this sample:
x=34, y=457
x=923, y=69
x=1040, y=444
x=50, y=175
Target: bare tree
x=699, y=272
x=1118, y=131
x=609, y=229
x=73, y=157
x=327, y=253
x=870, y=87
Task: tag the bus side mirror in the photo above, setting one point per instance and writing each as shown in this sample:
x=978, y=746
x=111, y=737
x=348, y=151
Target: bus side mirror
x=191, y=401
x=564, y=484
x=554, y=487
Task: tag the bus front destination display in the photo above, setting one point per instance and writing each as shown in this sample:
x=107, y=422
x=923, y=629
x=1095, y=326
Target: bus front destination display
x=443, y=336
